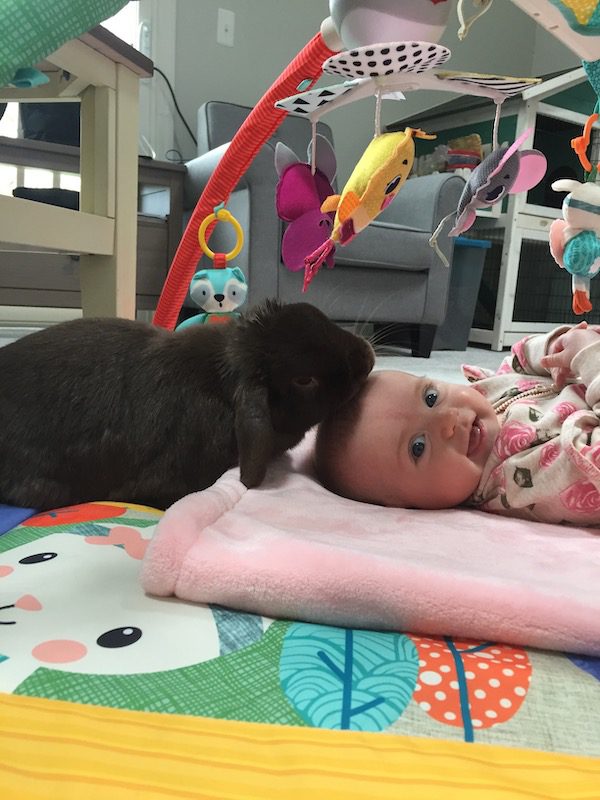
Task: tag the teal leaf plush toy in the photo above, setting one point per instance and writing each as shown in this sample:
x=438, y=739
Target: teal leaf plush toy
x=218, y=292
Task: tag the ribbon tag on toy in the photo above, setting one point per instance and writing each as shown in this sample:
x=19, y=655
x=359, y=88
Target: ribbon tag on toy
x=467, y=22
x=222, y=289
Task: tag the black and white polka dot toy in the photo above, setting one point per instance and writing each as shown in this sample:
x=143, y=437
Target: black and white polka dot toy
x=387, y=59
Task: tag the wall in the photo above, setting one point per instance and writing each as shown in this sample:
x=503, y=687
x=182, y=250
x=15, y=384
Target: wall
x=549, y=55
x=268, y=33
x=499, y=42
x=484, y=50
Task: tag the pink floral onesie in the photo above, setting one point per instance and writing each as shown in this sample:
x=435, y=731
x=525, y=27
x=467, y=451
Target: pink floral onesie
x=545, y=462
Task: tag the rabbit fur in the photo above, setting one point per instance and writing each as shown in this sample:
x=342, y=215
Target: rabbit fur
x=114, y=409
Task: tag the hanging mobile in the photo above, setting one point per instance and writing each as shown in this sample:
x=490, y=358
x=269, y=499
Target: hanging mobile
x=506, y=170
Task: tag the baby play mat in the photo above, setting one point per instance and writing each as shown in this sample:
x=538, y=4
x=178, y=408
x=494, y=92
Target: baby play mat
x=77, y=626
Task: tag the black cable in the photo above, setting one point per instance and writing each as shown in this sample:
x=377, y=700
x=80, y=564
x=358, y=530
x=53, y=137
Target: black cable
x=187, y=127
x=179, y=159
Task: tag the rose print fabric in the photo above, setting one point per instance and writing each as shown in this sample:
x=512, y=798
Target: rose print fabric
x=545, y=462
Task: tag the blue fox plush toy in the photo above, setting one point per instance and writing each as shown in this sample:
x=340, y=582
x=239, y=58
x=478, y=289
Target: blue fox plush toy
x=218, y=292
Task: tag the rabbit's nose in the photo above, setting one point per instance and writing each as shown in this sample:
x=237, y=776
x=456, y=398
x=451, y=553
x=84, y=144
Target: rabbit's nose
x=219, y=298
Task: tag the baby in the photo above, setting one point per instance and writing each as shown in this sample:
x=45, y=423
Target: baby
x=524, y=441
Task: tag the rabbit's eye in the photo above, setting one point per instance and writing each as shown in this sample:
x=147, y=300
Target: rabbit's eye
x=305, y=382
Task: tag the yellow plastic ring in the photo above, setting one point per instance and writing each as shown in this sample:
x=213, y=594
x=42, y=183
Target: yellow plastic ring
x=222, y=215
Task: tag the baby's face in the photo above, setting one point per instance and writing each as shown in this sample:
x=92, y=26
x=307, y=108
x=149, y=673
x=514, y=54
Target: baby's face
x=419, y=443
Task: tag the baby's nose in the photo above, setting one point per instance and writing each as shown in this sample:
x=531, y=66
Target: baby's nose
x=448, y=421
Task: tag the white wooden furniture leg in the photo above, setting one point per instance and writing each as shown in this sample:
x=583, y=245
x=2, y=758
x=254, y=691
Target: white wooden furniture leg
x=104, y=72
x=109, y=164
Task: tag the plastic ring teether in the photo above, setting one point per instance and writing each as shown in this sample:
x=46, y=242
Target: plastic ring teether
x=222, y=215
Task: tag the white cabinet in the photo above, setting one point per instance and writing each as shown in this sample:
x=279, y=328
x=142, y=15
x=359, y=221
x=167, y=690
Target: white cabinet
x=524, y=221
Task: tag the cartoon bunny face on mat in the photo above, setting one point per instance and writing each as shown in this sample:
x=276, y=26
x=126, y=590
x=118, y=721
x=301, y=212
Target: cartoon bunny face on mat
x=111, y=627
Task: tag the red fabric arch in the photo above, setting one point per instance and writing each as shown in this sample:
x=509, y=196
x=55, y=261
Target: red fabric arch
x=260, y=124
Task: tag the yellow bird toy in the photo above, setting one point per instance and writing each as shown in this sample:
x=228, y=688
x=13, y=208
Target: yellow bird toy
x=376, y=179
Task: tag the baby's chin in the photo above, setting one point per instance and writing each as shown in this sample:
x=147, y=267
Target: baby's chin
x=437, y=503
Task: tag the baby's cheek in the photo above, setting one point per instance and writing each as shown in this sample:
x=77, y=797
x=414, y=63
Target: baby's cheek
x=451, y=482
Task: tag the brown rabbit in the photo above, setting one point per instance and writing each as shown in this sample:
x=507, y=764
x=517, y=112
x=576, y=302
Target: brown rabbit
x=111, y=409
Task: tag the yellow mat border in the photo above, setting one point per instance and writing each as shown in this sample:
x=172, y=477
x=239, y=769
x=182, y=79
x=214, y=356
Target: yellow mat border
x=54, y=749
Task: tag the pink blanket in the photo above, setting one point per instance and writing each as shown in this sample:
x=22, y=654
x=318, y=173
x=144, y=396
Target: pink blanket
x=293, y=550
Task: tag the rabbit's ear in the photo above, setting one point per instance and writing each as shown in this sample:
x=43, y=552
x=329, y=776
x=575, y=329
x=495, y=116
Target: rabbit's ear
x=254, y=433
x=284, y=157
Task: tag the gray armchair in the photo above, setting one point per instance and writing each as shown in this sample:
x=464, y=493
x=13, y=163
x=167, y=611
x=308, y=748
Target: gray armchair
x=388, y=275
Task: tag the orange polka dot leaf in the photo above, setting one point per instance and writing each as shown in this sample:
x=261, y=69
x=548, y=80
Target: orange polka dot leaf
x=468, y=684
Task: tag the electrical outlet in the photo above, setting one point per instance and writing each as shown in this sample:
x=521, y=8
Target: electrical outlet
x=225, y=27
x=145, y=38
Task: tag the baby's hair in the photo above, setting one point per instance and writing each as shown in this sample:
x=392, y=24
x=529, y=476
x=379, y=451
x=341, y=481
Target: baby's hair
x=332, y=434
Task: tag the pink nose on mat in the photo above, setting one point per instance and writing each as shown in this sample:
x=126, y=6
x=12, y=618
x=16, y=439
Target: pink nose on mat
x=5, y=570
x=28, y=603
x=59, y=651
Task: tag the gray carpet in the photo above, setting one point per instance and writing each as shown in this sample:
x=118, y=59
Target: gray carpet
x=442, y=364
x=8, y=335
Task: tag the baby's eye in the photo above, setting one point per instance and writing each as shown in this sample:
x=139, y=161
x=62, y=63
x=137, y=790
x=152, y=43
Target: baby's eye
x=431, y=397
x=417, y=447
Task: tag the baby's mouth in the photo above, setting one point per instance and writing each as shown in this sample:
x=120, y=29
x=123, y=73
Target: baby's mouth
x=476, y=437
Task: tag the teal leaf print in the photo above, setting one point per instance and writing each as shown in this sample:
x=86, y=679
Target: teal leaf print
x=534, y=414
x=504, y=501
x=347, y=679
x=135, y=522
